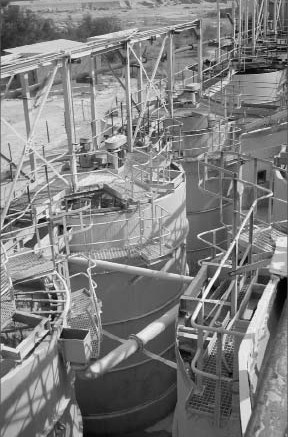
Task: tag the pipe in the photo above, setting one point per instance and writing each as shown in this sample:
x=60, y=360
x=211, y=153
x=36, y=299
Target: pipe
x=132, y=270
x=132, y=345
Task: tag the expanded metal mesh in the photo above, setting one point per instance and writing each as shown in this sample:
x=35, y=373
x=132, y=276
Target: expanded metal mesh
x=7, y=299
x=82, y=317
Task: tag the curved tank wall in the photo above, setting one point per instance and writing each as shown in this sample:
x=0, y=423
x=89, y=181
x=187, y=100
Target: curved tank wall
x=258, y=87
x=36, y=393
x=115, y=229
x=139, y=391
x=200, y=133
x=279, y=209
x=264, y=143
x=203, y=213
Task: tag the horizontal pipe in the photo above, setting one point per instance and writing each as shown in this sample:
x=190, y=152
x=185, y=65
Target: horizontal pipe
x=132, y=270
x=132, y=345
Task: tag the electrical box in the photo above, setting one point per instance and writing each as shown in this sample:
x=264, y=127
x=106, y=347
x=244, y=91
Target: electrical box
x=76, y=345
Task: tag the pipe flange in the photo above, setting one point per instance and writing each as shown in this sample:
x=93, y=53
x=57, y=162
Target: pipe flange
x=138, y=341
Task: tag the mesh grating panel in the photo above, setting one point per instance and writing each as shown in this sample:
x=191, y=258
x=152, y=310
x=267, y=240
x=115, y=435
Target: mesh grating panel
x=82, y=317
x=7, y=308
x=7, y=299
x=206, y=401
x=28, y=264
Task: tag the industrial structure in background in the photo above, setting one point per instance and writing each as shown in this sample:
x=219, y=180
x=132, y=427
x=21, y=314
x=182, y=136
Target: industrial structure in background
x=168, y=204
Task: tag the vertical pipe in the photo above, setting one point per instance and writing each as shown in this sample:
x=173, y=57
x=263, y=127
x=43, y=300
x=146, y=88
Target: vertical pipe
x=47, y=131
x=122, y=120
x=69, y=125
x=275, y=18
x=200, y=56
x=246, y=20
x=29, y=202
x=128, y=100
x=26, y=106
x=265, y=18
x=234, y=23
x=218, y=31
x=255, y=180
x=218, y=381
x=284, y=16
x=66, y=239
x=93, y=83
x=221, y=184
x=140, y=80
x=170, y=73
x=50, y=221
x=234, y=292
x=251, y=221
x=11, y=166
x=200, y=345
x=253, y=27
x=240, y=27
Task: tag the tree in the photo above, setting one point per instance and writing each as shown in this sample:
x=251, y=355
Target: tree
x=90, y=26
x=20, y=27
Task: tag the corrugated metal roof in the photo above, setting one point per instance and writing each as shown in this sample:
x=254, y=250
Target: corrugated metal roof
x=53, y=46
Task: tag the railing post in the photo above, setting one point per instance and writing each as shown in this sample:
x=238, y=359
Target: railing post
x=217, y=410
x=255, y=184
x=233, y=139
x=36, y=228
x=161, y=233
x=66, y=240
x=234, y=293
x=81, y=220
x=271, y=180
x=221, y=184
x=200, y=344
x=251, y=225
x=127, y=232
x=214, y=243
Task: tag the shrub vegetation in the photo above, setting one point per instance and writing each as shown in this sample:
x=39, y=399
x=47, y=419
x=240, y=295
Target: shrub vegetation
x=22, y=26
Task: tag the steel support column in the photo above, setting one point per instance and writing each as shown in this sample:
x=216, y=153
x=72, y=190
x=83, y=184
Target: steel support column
x=69, y=126
x=26, y=106
x=128, y=100
x=93, y=102
x=140, y=80
x=170, y=84
x=200, y=56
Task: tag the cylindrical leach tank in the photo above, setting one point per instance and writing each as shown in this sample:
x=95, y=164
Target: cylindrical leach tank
x=139, y=391
x=200, y=133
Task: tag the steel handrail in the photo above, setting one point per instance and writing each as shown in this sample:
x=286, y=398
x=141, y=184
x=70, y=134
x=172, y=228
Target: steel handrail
x=194, y=316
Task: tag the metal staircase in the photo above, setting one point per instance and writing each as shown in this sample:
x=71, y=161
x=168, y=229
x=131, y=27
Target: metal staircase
x=216, y=318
